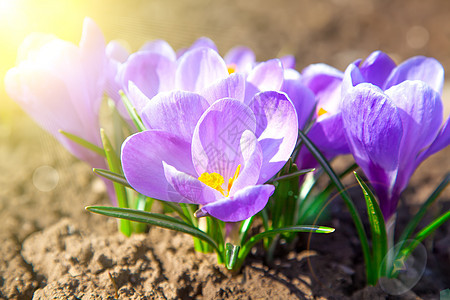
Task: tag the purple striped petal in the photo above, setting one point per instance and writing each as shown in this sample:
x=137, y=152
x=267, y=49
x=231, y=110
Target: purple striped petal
x=242, y=205
x=216, y=143
x=441, y=141
x=374, y=131
x=376, y=68
x=420, y=110
x=142, y=160
x=199, y=68
x=421, y=68
x=177, y=112
x=276, y=130
x=193, y=190
x=231, y=87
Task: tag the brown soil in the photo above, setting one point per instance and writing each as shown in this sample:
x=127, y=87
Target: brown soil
x=51, y=248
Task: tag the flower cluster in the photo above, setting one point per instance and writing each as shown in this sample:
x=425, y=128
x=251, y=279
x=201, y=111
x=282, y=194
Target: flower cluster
x=216, y=137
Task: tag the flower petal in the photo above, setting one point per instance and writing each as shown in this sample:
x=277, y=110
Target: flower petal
x=231, y=87
x=302, y=97
x=160, y=47
x=377, y=67
x=288, y=61
x=421, y=68
x=267, y=76
x=276, y=130
x=193, y=190
x=242, y=205
x=177, y=112
x=199, y=68
x=137, y=98
x=420, y=110
x=242, y=57
x=150, y=72
x=217, y=137
x=325, y=82
x=116, y=51
x=252, y=157
x=441, y=141
x=142, y=160
x=374, y=131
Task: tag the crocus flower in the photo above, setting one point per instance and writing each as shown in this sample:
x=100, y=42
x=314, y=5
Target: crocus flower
x=201, y=70
x=391, y=132
x=215, y=153
x=60, y=86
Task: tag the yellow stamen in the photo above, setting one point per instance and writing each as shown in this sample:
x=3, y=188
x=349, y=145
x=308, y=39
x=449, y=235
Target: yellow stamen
x=321, y=112
x=215, y=180
x=231, y=68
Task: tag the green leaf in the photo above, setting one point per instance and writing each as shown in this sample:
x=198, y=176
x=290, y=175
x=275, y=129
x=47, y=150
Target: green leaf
x=377, y=226
x=115, y=177
x=116, y=167
x=292, y=175
x=159, y=220
x=430, y=228
x=132, y=112
x=83, y=143
x=231, y=255
x=270, y=233
x=348, y=201
x=412, y=225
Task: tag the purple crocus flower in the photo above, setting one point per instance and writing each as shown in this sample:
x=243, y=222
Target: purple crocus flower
x=215, y=153
x=201, y=70
x=390, y=132
x=61, y=85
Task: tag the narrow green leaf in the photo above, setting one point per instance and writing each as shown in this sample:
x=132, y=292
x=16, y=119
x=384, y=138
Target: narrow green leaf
x=430, y=228
x=377, y=226
x=231, y=255
x=348, y=201
x=412, y=225
x=292, y=175
x=132, y=112
x=116, y=167
x=160, y=220
x=119, y=178
x=245, y=227
x=83, y=143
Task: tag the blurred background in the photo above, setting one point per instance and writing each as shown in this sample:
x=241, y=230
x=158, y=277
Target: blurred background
x=335, y=32
x=331, y=31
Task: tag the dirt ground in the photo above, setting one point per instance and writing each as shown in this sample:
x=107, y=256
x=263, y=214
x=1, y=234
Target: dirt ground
x=51, y=248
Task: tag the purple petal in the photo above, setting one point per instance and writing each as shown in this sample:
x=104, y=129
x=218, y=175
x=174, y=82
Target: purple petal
x=252, y=157
x=421, y=68
x=301, y=96
x=325, y=82
x=204, y=42
x=116, y=51
x=242, y=57
x=277, y=130
x=267, y=76
x=420, y=110
x=377, y=67
x=441, y=141
x=137, y=98
x=142, y=160
x=352, y=77
x=193, y=190
x=374, y=131
x=150, y=72
x=160, y=47
x=199, y=68
x=288, y=61
x=231, y=87
x=177, y=112
x=216, y=144
x=244, y=204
